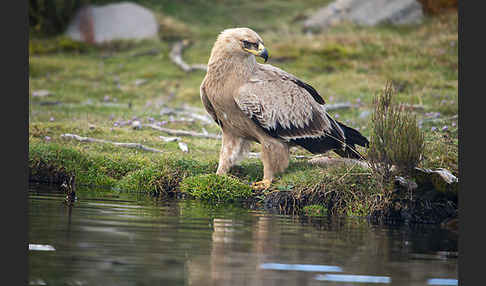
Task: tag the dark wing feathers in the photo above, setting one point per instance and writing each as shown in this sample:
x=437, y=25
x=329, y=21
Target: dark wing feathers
x=286, y=108
x=289, y=109
x=317, y=97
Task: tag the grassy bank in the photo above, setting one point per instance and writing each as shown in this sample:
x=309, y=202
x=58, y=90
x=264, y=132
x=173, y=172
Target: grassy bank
x=98, y=92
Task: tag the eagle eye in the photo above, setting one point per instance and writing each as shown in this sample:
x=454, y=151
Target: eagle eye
x=248, y=45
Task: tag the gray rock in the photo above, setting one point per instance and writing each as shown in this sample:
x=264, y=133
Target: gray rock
x=405, y=184
x=41, y=93
x=139, y=82
x=441, y=179
x=117, y=21
x=136, y=124
x=366, y=13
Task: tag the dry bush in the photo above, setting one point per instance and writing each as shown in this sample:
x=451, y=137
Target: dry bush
x=395, y=138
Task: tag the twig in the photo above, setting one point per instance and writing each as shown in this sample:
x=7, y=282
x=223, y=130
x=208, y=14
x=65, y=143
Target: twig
x=328, y=161
x=339, y=105
x=94, y=140
x=182, y=132
x=176, y=56
x=188, y=111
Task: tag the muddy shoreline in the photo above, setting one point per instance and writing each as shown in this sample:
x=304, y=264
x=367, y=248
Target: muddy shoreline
x=424, y=206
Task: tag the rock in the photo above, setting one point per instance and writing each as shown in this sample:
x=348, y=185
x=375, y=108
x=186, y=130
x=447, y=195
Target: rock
x=405, y=184
x=41, y=93
x=136, y=124
x=183, y=147
x=117, y=21
x=139, y=82
x=440, y=179
x=366, y=13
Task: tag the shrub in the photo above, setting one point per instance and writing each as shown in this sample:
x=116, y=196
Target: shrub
x=395, y=138
x=51, y=17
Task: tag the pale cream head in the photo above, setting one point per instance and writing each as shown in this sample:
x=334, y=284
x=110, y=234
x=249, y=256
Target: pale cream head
x=239, y=42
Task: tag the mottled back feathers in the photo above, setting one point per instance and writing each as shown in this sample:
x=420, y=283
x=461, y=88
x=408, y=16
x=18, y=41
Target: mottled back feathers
x=284, y=106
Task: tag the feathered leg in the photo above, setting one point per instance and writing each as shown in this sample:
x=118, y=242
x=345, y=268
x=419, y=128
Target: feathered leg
x=232, y=150
x=275, y=159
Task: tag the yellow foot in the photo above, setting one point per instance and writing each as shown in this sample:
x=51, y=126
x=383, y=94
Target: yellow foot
x=261, y=185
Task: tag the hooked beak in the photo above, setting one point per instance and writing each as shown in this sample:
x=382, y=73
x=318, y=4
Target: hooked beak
x=261, y=52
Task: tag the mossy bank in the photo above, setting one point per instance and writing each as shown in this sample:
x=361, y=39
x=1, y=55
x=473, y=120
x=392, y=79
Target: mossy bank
x=101, y=91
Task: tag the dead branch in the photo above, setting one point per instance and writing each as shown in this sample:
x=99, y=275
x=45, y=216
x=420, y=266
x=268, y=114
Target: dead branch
x=182, y=132
x=339, y=105
x=190, y=112
x=176, y=56
x=328, y=161
x=94, y=140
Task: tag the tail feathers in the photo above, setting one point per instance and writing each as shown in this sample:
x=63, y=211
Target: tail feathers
x=339, y=134
x=353, y=137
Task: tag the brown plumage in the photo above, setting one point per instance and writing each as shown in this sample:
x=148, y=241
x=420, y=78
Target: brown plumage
x=254, y=102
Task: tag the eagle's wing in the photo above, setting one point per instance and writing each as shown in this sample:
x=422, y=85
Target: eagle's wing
x=207, y=104
x=290, y=109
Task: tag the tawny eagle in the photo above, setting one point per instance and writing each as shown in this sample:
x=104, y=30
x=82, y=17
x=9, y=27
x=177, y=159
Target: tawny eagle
x=253, y=102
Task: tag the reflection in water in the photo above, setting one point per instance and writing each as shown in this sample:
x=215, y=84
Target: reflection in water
x=128, y=241
x=437, y=281
x=353, y=278
x=301, y=267
x=41, y=247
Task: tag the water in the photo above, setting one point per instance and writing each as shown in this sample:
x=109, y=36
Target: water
x=132, y=240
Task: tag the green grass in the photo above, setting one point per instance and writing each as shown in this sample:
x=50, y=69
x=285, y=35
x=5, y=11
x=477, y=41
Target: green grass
x=93, y=88
x=216, y=188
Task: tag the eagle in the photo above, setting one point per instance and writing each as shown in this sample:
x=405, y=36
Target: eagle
x=253, y=102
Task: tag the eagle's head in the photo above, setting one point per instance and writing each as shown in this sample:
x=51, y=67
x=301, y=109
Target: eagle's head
x=240, y=42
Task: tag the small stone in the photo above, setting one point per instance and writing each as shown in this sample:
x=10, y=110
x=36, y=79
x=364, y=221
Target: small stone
x=183, y=147
x=41, y=93
x=139, y=82
x=136, y=124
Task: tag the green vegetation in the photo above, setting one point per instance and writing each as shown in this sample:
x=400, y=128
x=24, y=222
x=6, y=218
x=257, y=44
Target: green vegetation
x=95, y=91
x=215, y=188
x=395, y=138
x=314, y=210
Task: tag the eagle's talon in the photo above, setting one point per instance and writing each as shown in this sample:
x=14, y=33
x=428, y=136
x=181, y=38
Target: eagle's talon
x=261, y=185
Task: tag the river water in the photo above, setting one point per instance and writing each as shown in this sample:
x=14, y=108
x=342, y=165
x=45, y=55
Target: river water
x=134, y=240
